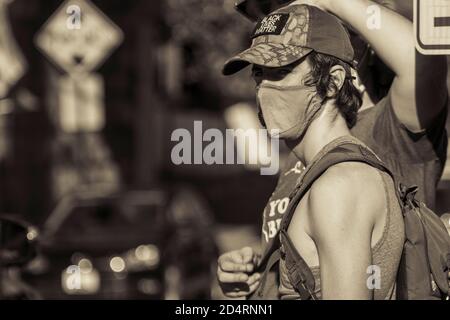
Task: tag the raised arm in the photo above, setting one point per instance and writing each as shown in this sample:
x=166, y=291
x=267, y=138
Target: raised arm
x=419, y=91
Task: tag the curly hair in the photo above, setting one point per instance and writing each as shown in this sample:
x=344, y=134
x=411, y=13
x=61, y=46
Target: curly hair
x=348, y=98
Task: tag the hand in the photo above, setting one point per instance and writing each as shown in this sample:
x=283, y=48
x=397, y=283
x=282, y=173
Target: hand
x=235, y=272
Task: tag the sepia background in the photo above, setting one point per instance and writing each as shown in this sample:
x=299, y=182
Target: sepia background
x=85, y=146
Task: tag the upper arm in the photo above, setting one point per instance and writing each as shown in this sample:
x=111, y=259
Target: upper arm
x=341, y=222
x=419, y=95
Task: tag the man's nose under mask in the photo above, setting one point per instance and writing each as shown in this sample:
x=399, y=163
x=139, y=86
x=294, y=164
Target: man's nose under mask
x=290, y=110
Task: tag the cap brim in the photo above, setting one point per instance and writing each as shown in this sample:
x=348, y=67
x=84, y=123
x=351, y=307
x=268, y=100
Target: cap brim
x=265, y=54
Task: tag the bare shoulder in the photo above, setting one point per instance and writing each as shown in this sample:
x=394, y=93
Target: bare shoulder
x=352, y=191
x=350, y=176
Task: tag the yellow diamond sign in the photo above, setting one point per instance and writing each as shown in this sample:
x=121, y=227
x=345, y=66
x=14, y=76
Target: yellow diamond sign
x=78, y=37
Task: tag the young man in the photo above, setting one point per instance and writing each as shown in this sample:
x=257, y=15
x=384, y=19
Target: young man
x=302, y=60
x=406, y=128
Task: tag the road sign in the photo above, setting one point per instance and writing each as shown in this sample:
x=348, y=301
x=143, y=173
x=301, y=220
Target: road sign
x=12, y=62
x=81, y=103
x=78, y=37
x=432, y=26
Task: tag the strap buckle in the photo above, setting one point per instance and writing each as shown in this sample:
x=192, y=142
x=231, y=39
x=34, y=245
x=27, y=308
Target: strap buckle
x=408, y=195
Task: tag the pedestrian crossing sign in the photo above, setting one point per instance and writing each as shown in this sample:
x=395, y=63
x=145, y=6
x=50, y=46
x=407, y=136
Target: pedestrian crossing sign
x=78, y=37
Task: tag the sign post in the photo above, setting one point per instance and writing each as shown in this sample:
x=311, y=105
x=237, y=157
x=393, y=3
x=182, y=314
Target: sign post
x=78, y=38
x=12, y=62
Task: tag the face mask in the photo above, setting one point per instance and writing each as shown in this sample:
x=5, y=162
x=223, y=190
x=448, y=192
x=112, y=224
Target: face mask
x=288, y=109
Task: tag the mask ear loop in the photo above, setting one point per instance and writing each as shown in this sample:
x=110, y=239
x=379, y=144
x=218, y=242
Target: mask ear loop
x=347, y=77
x=325, y=99
x=320, y=102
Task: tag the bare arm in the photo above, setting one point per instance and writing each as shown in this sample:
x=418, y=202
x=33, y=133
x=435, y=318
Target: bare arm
x=341, y=223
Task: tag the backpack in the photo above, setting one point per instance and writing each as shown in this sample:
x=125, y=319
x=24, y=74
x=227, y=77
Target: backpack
x=425, y=262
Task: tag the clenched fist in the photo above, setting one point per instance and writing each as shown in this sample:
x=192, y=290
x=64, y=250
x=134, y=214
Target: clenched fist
x=236, y=274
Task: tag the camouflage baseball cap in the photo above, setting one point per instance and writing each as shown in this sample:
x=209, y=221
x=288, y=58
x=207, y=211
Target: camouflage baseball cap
x=289, y=34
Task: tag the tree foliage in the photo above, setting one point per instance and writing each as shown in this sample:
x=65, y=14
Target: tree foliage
x=211, y=31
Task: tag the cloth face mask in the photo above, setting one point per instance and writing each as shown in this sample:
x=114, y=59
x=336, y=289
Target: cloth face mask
x=290, y=109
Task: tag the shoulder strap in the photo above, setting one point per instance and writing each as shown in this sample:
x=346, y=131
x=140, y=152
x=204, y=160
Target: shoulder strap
x=346, y=152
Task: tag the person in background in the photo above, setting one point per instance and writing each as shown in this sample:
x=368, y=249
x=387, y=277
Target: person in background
x=406, y=128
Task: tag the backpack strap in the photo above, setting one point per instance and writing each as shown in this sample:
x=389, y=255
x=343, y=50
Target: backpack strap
x=299, y=273
x=270, y=266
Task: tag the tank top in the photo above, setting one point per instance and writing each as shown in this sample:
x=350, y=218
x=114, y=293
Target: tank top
x=386, y=253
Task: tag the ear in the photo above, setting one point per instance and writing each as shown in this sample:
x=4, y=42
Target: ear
x=337, y=76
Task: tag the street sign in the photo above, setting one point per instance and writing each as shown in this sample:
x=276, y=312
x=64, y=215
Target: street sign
x=12, y=62
x=81, y=103
x=432, y=26
x=78, y=37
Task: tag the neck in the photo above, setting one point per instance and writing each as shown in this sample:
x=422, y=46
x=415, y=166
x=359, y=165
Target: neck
x=328, y=126
x=367, y=101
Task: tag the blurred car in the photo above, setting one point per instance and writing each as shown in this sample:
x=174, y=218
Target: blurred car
x=118, y=246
